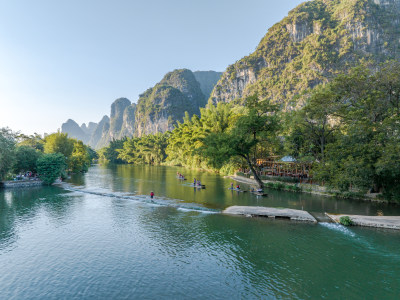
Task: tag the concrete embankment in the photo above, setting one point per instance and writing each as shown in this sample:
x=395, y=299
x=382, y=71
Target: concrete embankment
x=270, y=212
x=306, y=188
x=392, y=222
x=20, y=184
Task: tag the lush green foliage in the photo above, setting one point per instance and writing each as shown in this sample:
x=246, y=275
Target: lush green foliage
x=186, y=140
x=110, y=153
x=51, y=166
x=7, y=151
x=351, y=127
x=34, y=141
x=59, y=143
x=149, y=149
x=78, y=156
x=26, y=158
x=80, y=160
x=256, y=126
x=346, y=221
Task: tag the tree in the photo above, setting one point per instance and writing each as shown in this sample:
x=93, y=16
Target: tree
x=187, y=137
x=59, y=143
x=7, y=154
x=313, y=127
x=50, y=167
x=92, y=153
x=26, y=158
x=361, y=110
x=110, y=152
x=148, y=149
x=34, y=141
x=257, y=125
x=79, y=160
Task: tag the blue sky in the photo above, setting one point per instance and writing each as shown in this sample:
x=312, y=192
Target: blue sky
x=71, y=59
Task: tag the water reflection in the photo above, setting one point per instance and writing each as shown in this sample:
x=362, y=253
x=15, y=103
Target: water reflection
x=162, y=180
x=21, y=206
x=112, y=247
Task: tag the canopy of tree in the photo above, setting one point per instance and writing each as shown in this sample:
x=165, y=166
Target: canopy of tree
x=20, y=154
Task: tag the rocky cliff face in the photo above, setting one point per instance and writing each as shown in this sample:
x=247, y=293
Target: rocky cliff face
x=160, y=107
x=317, y=40
x=157, y=110
x=89, y=129
x=117, y=116
x=100, y=135
x=207, y=81
x=75, y=131
x=128, y=122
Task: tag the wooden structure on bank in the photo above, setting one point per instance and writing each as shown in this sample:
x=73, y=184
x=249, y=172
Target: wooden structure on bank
x=273, y=166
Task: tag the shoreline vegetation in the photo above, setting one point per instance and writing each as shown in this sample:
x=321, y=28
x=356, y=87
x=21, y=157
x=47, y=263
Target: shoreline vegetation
x=32, y=160
x=347, y=132
x=310, y=189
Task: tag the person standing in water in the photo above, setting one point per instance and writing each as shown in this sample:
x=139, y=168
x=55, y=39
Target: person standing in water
x=151, y=195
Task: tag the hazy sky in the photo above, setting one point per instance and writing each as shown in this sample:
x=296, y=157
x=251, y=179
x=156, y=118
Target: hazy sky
x=72, y=58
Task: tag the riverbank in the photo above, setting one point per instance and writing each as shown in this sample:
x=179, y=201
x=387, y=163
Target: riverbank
x=20, y=184
x=308, y=188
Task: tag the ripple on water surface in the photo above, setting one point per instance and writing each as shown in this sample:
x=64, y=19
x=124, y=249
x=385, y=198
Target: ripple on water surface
x=104, y=242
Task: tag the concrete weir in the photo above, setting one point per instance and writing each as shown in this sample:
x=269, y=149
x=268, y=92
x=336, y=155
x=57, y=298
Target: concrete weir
x=392, y=222
x=270, y=212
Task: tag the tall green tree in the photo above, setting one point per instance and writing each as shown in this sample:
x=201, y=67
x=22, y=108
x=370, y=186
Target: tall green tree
x=187, y=137
x=79, y=160
x=7, y=151
x=34, y=141
x=59, y=143
x=362, y=108
x=148, y=149
x=110, y=152
x=51, y=166
x=259, y=124
x=26, y=158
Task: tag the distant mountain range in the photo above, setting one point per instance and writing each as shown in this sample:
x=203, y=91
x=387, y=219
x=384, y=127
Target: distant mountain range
x=157, y=109
x=318, y=40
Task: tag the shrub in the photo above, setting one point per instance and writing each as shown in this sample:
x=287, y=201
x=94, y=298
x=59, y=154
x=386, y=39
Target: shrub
x=297, y=189
x=279, y=186
x=346, y=221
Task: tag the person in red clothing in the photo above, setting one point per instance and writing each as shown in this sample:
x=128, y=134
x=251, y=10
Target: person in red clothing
x=151, y=195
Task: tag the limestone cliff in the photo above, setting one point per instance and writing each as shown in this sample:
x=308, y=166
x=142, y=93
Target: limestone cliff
x=157, y=110
x=207, y=81
x=117, y=117
x=317, y=40
x=89, y=129
x=160, y=107
x=74, y=131
x=99, y=137
x=128, y=122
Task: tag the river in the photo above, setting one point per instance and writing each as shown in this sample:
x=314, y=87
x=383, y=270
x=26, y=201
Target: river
x=101, y=237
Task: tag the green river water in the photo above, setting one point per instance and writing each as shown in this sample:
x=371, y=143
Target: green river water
x=101, y=237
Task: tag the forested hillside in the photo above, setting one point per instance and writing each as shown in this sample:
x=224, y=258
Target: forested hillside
x=316, y=41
